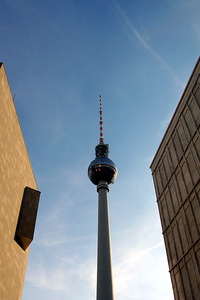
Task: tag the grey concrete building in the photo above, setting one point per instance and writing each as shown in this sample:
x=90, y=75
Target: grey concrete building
x=176, y=174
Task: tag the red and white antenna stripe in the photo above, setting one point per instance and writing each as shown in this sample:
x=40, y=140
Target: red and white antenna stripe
x=101, y=139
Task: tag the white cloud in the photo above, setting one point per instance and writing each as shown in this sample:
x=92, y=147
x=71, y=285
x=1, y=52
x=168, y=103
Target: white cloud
x=51, y=240
x=66, y=276
x=56, y=279
x=137, y=277
x=56, y=238
x=135, y=256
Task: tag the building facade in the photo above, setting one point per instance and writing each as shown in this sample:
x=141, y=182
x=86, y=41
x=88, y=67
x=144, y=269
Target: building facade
x=176, y=174
x=19, y=198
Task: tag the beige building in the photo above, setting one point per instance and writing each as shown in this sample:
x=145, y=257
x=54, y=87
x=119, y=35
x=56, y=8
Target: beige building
x=18, y=198
x=176, y=174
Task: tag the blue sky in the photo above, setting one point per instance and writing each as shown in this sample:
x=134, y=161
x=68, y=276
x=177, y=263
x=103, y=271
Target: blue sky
x=59, y=57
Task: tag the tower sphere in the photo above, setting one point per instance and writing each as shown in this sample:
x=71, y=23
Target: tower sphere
x=102, y=168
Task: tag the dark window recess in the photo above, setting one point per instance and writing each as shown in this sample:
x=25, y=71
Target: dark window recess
x=27, y=217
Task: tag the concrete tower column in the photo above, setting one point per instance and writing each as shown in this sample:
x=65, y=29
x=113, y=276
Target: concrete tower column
x=104, y=264
x=102, y=172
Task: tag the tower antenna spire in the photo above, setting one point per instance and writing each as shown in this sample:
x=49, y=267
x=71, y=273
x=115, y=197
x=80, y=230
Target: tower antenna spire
x=101, y=139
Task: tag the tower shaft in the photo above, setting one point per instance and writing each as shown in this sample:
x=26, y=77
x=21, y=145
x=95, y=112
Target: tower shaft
x=104, y=265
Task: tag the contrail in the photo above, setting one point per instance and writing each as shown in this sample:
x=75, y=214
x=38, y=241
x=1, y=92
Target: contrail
x=120, y=13
x=138, y=255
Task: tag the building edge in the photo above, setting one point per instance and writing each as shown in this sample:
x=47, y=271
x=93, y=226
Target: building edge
x=2, y=65
x=187, y=90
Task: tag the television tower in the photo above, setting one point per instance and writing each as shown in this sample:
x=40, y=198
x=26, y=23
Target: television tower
x=102, y=172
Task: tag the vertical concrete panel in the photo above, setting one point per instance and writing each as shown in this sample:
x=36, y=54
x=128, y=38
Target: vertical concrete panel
x=169, y=204
x=186, y=283
x=179, y=292
x=194, y=110
x=174, y=197
x=190, y=122
x=165, y=212
x=182, y=136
